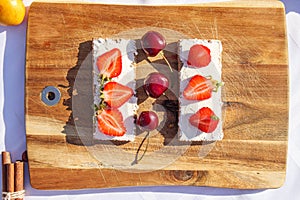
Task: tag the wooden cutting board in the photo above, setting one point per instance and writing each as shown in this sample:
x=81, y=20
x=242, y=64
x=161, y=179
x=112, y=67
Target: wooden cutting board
x=62, y=153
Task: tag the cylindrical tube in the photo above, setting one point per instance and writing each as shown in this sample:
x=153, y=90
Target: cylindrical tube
x=10, y=179
x=19, y=177
x=6, y=159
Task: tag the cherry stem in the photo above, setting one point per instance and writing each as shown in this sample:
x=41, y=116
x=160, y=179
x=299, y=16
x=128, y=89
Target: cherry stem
x=164, y=94
x=169, y=65
x=136, y=160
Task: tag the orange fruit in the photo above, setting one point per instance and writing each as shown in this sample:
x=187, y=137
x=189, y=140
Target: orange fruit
x=12, y=12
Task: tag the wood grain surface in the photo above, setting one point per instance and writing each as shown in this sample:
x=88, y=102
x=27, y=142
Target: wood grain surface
x=61, y=150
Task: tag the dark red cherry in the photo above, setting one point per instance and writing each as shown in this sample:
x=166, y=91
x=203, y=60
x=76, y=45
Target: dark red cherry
x=152, y=43
x=156, y=84
x=148, y=120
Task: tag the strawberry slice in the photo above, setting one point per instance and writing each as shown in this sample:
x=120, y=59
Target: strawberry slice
x=110, y=63
x=110, y=122
x=199, y=56
x=199, y=88
x=205, y=120
x=116, y=94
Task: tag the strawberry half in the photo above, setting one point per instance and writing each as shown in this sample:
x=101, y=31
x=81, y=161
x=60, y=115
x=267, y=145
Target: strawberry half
x=110, y=63
x=201, y=88
x=199, y=56
x=110, y=122
x=205, y=120
x=116, y=94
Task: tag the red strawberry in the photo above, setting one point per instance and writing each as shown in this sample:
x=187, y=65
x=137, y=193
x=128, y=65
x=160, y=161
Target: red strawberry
x=116, y=94
x=205, y=120
x=110, y=122
x=110, y=63
x=200, y=88
x=199, y=56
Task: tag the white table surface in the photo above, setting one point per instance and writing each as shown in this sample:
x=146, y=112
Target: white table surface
x=12, y=125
